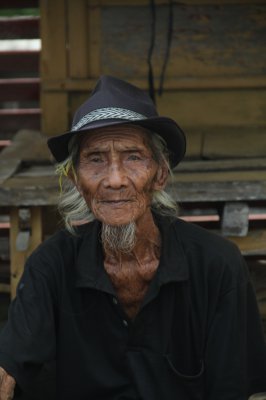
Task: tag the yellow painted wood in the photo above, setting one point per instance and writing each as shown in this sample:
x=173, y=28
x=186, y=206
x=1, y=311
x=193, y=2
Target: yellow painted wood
x=246, y=143
x=54, y=42
x=78, y=38
x=94, y=34
x=224, y=176
x=230, y=82
x=215, y=108
x=55, y=113
x=253, y=243
x=4, y=288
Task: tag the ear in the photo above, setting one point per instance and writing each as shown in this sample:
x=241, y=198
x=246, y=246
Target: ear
x=160, y=178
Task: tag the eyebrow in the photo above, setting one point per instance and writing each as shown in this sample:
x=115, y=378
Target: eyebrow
x=104, y=149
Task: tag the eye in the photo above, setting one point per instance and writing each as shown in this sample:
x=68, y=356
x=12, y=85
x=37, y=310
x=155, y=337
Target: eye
x=134, y=157
x=95, y=159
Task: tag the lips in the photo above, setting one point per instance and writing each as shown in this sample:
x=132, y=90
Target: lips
x=115, y=201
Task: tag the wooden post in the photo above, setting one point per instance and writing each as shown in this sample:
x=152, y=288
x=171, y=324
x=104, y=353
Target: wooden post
x=19, y=255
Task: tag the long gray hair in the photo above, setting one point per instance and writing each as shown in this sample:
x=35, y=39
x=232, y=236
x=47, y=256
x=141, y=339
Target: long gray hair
x=72, y=206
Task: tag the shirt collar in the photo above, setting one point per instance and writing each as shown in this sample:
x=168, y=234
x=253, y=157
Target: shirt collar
x=90, y=269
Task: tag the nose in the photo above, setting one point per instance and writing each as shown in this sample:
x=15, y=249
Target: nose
x=116, y=177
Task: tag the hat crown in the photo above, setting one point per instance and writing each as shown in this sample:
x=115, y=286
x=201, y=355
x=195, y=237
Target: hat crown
x=112, y=94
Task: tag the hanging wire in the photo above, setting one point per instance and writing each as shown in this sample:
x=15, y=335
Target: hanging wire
x=168, y=47
x=152, y=42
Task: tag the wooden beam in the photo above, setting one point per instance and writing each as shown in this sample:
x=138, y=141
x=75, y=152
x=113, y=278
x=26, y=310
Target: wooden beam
x=200, y=83
x=213, y=191
x=254, y=243
x=78, y=33
x=54, y=41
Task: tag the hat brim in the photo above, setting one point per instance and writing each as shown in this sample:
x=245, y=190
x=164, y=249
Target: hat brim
x=163, y=126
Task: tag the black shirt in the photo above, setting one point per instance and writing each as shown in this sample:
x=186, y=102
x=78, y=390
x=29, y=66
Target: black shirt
x=197, y=335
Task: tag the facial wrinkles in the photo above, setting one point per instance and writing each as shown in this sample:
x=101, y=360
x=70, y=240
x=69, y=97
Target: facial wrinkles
x=116, y=175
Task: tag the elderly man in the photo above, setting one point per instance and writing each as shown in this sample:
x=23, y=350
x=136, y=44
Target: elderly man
x=130, y=301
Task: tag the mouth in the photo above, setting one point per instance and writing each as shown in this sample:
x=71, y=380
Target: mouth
x=115, y=201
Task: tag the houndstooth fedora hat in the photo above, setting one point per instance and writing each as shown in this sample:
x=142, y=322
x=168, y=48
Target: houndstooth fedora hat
x=116, y=102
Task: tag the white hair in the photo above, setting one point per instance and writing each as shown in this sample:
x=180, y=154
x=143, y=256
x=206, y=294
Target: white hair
x=72, y=206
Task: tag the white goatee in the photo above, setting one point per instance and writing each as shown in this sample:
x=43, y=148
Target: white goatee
x=120, y=239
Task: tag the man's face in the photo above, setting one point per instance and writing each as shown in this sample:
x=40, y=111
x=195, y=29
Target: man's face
x=117, y=174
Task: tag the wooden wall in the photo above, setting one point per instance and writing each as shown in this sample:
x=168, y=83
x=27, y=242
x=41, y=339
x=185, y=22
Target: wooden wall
x=215, y=83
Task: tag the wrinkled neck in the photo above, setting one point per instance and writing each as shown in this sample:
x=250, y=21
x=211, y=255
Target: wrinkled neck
x=147, y=247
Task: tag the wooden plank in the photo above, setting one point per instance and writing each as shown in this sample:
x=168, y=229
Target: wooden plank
x=206, y=111
x=30, y=192
x=19, y=62
x=77, y=33
x=54, y=41
x=225, y=176
x=236, y=143
x=27, y=146
x=222, y=165
x=12, y=120
x=20, y=89
x=252, y=244
x=208, y=41
x=193, y=192
x=94, y=33
x=190, y=166
x=19, y=27
x=219, y=82
x=55, y=113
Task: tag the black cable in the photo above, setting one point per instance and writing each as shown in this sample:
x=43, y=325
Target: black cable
x=150, y=72
x=169, y=41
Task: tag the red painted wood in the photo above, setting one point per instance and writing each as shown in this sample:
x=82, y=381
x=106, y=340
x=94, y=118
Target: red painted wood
x=20, y=89
x=13, y=120
x=19, y=27
x=19, y=62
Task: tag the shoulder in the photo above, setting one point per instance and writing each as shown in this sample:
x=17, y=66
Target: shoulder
x=211, y=255
x=60, y=249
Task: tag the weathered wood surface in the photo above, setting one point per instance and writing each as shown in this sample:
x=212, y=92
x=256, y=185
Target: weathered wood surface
x=202, y=191
x=254, y=243
x=208, y=39
x=27, y=146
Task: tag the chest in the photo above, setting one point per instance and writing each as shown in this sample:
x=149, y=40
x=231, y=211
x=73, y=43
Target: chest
x=131, y=282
